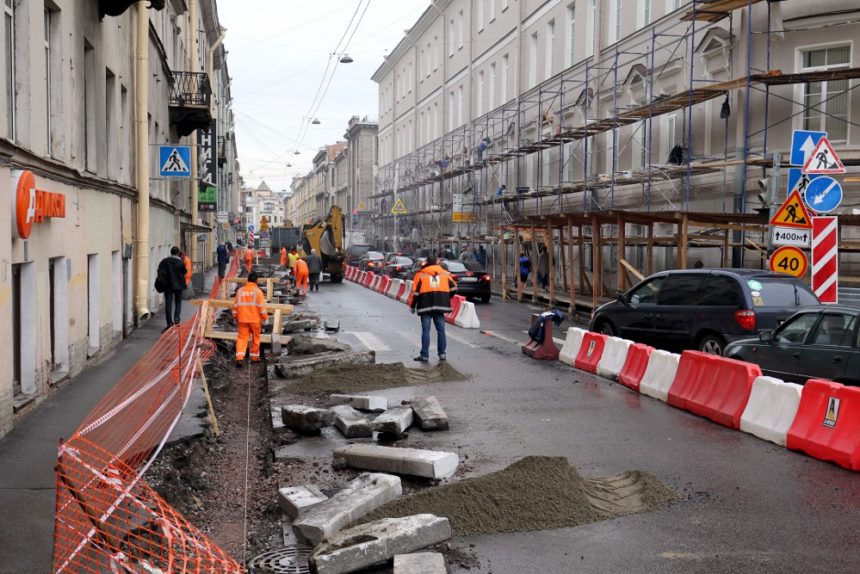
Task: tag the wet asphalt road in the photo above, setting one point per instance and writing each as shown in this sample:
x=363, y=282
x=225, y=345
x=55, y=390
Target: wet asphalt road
x=746, y=505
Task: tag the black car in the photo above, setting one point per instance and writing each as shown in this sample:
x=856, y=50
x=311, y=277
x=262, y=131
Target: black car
x=472, y=280
x=417, y=264
x=702, y=309
x=396, y=266
x=821, y=342
x=371, y=262
x=354, y=253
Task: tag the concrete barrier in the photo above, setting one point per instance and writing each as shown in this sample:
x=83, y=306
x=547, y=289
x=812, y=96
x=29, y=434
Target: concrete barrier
x=406, y=291
x=634, y=367
x=467, y=317
x=590, y=352
x=614, y=357
x=394, y=288
x=572, y=343
x=659, y=375
x=771, y=409
x=827, y=425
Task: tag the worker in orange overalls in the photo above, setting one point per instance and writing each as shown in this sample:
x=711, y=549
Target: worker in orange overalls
x=283, y=261
x=187, y=261
x=249, y=258
x=300, y=268
x=249, y=310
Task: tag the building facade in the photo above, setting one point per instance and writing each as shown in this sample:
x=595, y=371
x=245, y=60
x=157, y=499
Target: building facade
x=91, y=89
x=362, y=158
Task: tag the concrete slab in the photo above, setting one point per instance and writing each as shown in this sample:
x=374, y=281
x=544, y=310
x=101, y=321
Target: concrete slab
x=420, y=563
x=316, y=448
x=378, y=541
x=409, y=461
x=394, y=421
x=305, y=419
x=431, y=416
x=350, y=422
x=301, y=367
x=277, y=419
x=361, y=402
x=294, y=500
x=364, y=494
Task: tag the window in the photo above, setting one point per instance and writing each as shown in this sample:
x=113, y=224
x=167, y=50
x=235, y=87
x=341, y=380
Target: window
x=644, y=13
x=436, y=50
x=826, y=103
x=680, y=289
x=504, y=5
x=9, y=28
x=795, y=330
x=617, y=17
x=550, y=38
x=480, y=14
x=491, y=103
x=570, y=40
x=835, y=329
x=451, y=36
x=671, y=122
x=450, y=111
x=460, y=105
x=589, y=28
x=460, y=24
x=110, y=123
x=503, y=92
x=721, y=291
x=90, y=108
x=492, y=10
x=533, y=60
x=646, y=294
x=480, y=103
x=48, y=74
x=776, y=292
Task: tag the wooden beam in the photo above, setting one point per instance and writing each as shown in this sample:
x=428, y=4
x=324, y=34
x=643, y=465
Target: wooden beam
x=582, y=277
x=517, y=274
x=596, y=260
x=649, y=255
x=627, y=266
x=563, y=258
x=622, y=253
x=550, y=253
x=228, y=304
x=683, y=238
x=504, y=264
x=570, y=271
x=725, y=258
x=216, y=430
x=534, y=265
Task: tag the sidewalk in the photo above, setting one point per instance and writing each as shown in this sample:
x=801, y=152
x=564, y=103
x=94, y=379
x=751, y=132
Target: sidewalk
x=28, y=453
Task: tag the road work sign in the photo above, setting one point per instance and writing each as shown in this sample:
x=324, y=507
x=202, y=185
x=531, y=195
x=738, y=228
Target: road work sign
x=175, y=160
x=399, y=208
x=823, y=160
x=792, y=213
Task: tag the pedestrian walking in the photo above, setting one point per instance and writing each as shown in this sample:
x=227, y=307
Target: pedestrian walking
x=431, y=299
x=525, y=267
x=223, y=256
x=301, y=270
x=188, y=268
x=543, y=268
x=249, y=259
x=283, y=260
x=249, y=310
x=170, y=280
x=482, y=256
x=314, y=269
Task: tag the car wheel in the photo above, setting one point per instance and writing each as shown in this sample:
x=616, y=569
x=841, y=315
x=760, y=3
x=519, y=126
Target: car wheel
x=485, y=298
x=712, y=344
x=605, y=328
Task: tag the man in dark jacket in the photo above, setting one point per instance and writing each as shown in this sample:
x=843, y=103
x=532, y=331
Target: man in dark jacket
x=223, y=259
x=314, y=262
x=170, y=280
x=431, y=298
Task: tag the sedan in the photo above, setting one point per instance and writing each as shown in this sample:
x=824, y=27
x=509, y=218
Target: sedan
x=820, y=342
x=371, y=262
x=397, y=267
x=472, y=280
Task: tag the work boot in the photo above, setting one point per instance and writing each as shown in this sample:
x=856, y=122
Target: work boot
x=420, y=359
x=442, y=357
x=240, y=364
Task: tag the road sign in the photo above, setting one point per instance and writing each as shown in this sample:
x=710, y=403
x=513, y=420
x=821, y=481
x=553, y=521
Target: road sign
x=803, y=143
x=175, y=160
x=264, y=223
x=222, y=217
x=789, y=260
x=790, y=236
x=792, y=213
x=823, y=194
x=225, y=226
x=799, y=180
x=824, y=160
x=250, y=228
x=399, y=208
x=362, y=206
x=825, y=258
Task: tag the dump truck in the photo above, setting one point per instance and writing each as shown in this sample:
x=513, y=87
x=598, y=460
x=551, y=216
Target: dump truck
x=326, y=236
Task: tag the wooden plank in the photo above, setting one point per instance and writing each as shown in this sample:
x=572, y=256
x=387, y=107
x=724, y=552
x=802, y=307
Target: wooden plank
x=228, y=304
x=231, y=336
x=534, y=264
x=550, y=253
x=570, y=271
x=596, y=260
x=517, y=274
x=725, y=248
x=629, y=267
x=650, y=249
x=622, y=253
x=563, y=258
x=212, y=418
x=683, y=238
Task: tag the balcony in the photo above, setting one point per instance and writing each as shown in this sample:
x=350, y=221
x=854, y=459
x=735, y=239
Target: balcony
x=190, y=96
x=117, y=7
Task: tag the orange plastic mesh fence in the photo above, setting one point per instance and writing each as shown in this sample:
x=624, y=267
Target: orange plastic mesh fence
x=107, y=519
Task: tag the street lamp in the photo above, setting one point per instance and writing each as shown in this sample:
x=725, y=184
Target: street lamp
x=316, y=122
x=346, y=59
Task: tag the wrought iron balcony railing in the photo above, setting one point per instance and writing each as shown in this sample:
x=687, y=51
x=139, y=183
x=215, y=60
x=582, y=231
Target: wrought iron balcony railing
x=190, y=89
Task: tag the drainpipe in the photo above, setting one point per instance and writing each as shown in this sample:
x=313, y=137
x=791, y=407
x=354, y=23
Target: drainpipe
x=195, y=173
x=215, y=112
x=141, y=104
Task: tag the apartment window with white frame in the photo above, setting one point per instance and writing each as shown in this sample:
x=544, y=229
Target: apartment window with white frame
x=673, y=5
x=503, y=84
x=460, y=24
x=48, y=78
x=533, y=60
x=590, y=23
x=504, y=5
x=480, y=15
x=460, y=105
x=491, y=102
x=618, y=21
x=644, y=13
x=451, y=32
x=436, y=50
x=492, y=10
x=570, y=38
x=480, y=100
x=451, y=111
x=548, y=51
x=9, y=29
x=826, y=104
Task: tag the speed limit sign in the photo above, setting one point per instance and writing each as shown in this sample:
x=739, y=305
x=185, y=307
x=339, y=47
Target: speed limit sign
x=789, y=260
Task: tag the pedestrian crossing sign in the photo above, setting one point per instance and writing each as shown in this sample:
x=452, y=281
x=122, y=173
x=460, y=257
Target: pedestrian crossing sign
x=175, y=160
x=399, y=208
x=793, y=213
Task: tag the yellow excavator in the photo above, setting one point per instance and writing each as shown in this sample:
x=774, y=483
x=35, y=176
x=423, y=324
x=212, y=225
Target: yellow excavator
x=326, y=236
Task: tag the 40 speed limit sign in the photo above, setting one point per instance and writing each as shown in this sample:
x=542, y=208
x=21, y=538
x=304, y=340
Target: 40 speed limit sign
x=789, y=260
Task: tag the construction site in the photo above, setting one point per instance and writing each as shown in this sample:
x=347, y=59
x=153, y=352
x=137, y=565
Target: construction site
x=668, y=149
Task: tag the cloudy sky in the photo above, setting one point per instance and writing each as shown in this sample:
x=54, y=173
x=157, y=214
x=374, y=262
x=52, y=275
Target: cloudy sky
x=278, y=52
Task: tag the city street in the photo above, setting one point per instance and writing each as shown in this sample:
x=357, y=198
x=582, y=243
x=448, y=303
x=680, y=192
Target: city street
x=745, y=504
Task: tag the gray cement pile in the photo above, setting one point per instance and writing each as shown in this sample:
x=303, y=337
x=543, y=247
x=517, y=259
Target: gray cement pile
x=356, y=379
x=534, y=493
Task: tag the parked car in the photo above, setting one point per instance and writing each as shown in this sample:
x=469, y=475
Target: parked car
x=371, y=261
x=472, y=280
x=354, y=253
x=702, y=309
x=417, y=264
x=396, y=266
x=820, y=342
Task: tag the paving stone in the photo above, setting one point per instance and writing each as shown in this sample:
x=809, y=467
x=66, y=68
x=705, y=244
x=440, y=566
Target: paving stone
x=350, y=422
x=361, y=402
x=305, y=419
x=366, y=493
x=408, y=461
x=431, y=416
x=420, y=563
x=394, y=421
x=294, y=500
x=300, y=367
x=377, y=542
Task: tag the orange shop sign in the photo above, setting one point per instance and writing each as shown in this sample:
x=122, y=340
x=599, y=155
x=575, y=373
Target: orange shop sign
x=31, y=205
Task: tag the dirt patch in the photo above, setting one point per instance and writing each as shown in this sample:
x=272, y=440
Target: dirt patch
x=365, y=378
x=534, y=493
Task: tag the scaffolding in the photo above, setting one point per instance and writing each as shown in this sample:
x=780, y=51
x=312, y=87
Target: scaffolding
x=581, y=150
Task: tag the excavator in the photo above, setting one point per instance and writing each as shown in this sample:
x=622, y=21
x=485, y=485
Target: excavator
x=326, y=236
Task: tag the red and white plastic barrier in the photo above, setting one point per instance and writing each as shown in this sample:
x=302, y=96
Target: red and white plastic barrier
x=659, y=375
x=771, y=409
x=590, y=352
x=634, y=366
x=374, y=283
x=456, y=301
x=394, y=287
x=382, y=286
x=614, y=357
x=467, y=317
x=572, y=343
x=368, y=279
x=827, y=425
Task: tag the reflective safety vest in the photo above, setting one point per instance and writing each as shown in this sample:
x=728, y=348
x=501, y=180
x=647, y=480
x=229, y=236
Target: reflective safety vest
x=283, y=256
x=250, y=304
x=187, y=270
x=293, y=257
x=300, y=267
x=431, y=290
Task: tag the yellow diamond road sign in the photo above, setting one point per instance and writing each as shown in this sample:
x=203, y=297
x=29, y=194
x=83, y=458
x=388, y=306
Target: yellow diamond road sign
x=399, y=208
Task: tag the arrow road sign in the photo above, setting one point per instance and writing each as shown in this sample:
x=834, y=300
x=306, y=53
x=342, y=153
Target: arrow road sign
x=797, y=180
x=823, y=160
x=175, y=160
x=803, y=143
x=823, y=194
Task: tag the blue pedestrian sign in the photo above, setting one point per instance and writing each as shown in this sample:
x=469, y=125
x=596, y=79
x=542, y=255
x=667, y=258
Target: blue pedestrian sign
x=803, y=143
x=797, y=180
x=175, y=160
x=823, y=194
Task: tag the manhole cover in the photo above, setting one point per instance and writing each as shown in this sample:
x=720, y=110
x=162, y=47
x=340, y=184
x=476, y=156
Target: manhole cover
x=289, y=560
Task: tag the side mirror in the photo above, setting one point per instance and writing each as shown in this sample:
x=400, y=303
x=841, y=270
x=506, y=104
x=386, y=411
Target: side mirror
x=619, y=296
x=765, y=336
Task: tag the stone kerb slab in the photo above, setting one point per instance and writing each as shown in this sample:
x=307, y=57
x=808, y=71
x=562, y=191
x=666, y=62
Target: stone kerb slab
x=294, y=500
x=420, y=563
x=430, y=414
x=305, y=419
x=364, y=494
x=350, y=422
x=361, y=402
x=394, y=421
x=407, y=461
x=379, y=541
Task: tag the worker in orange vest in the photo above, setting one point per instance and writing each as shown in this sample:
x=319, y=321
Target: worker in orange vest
x=187, y=261
x=300, y=268
x=283, y=261
x=249, y=310
x=249, y=258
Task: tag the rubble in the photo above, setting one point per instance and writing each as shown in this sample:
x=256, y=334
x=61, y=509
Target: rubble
x=294, y=500
x=350, y=422
x=431, y=416
x=294, y=368
x=364, y=494
x=305, y=419
x=376, y=542
x=361, y=402
x=394, y=421
x=420, y=563
x=409, y=461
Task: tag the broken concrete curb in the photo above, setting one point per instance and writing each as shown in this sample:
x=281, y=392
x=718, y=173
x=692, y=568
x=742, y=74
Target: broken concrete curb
x=394, y=421
x=420, y=563
x=350, y=422
x=305, y=419
x=361, y=402
x=431, y=416
x=294, y=500
x=408, y=461
x=294, y=368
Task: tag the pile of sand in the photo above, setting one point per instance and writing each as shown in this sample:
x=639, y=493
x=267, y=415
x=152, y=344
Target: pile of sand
x=352, y=379
x=535, y=493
